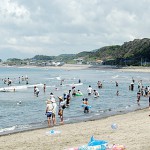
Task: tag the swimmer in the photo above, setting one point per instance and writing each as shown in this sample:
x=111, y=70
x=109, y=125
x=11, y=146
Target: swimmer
x=19, y=103
x=96, y=93
x=117, y=93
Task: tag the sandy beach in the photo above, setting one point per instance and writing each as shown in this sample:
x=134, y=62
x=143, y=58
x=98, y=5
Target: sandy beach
x=85, y=66
x=135, y=69
x=133, y=132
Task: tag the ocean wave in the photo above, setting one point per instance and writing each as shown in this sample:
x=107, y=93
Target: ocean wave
x=7, y=129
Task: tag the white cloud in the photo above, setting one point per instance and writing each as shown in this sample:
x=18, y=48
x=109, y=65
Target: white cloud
x=54, y=27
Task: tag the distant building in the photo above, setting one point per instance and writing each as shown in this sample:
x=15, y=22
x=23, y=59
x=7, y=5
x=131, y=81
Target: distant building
x=79, y=60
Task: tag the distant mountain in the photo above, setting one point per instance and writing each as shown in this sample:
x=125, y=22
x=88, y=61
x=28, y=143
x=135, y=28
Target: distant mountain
x=130, y=53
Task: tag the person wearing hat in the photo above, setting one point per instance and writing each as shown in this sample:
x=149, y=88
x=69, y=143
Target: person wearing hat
x=49, y=110
x=54, y=110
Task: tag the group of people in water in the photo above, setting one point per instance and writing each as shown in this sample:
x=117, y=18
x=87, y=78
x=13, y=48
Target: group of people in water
x=9, y=81
x=51, y=107
x=64, y=101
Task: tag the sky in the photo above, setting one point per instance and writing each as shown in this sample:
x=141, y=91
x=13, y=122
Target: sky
x=54, y=27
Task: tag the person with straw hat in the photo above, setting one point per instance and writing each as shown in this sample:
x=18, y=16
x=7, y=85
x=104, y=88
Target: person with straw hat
x=49, y=110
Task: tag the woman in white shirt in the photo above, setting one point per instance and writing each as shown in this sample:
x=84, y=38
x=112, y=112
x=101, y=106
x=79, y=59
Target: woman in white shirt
x=49, y=110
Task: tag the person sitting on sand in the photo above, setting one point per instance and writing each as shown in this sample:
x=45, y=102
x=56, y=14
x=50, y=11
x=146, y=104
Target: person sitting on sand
x=49, y=110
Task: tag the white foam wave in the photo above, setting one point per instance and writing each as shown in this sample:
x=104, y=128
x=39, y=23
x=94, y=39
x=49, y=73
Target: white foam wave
x=12, y=88
x=58, y=78
x=115, y=76
x=22, y=87
x=37, y=85
x=77, y=84
x=7, y=129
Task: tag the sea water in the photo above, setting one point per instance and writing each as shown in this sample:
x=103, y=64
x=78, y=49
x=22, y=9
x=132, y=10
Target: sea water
x=21, y=110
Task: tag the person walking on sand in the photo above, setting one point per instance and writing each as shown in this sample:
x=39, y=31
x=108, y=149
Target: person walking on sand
x=49, y=110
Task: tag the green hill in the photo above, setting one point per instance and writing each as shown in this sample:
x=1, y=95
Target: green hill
x=134, y=52
x=130, y=53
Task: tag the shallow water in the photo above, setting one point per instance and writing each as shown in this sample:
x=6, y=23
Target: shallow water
x=31, y=112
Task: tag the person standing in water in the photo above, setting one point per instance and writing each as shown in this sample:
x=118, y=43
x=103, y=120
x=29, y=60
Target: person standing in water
x=89, y=90
x=49, y=110
x=86, y=107
x=62, y=106
x=96, y=94
x=54, y=110
x=79, y=81
x=44, y=88
x=138, y=97
x=37, y=91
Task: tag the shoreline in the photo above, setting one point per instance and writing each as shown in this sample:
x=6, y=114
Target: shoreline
x=78, y=134
x=95, y=118
x=84, y=66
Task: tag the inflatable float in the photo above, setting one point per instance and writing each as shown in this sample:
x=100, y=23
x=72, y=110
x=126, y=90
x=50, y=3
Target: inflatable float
x=84, y=105
x=78, y=94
